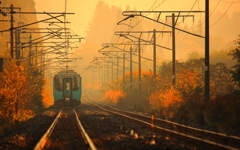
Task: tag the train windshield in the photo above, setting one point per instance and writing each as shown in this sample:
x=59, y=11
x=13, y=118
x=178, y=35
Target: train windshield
x=75, y=83
x=67, y=86
x=58, y=83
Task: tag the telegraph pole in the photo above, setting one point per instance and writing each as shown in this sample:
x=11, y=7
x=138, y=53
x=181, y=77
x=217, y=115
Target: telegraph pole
x=117, y=68
x=17, y=46
x=103, y=73
x=130, y=67
x=207, y=96
x=139, y=65
x=44, y=59
x=36, y=47
x=16, y=42
x=112, y=71
x=11, y=31
x=124, y=71
x=173, y=51
x=41, y=59
x=154, y=55
x=30, y=49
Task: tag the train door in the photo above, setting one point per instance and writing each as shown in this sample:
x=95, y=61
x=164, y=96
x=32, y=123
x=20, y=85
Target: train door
x=67, y=91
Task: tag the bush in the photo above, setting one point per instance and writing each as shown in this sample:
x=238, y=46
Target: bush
x=165, y=101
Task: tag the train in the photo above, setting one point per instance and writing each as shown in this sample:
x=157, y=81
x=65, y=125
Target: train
x=67, y=88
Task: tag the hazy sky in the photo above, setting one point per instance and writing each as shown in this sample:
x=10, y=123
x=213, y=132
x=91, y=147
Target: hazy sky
x=84, y=9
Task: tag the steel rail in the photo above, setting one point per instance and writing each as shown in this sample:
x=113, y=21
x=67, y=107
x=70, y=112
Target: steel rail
x=218, y=136
x=40, y=145
x=88, y=140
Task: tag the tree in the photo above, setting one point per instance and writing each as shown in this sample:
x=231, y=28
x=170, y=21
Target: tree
x=20, y=92
x=235, y=53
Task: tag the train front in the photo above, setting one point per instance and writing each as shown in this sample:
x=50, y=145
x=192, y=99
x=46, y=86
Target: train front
x=67, y=89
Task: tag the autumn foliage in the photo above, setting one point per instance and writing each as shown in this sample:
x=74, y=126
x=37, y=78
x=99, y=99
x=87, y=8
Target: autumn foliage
x=165, y=101
x=20, y=92
x=113, y=96
x=183, y=102
x=47, y=95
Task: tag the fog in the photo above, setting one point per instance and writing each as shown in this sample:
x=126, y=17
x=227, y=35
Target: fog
x=96, y=21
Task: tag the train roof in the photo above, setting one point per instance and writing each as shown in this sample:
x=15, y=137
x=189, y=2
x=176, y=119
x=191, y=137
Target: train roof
x=67, y=72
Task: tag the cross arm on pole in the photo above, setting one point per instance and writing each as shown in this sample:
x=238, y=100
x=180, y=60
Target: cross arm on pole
x=140, y=13
x=119, y=33
x=33, y=23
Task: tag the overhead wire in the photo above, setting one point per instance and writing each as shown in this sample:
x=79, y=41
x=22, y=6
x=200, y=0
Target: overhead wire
x=149, y=10
x=200, y=17
x=215, y=7
x=230, y=2
x=186, y=17
x=222, y=15
x=147, y=15
x=209, y=14
x=188, y=12
x=200, y=25
x=166, y=22
x=186, y=34
x=192, y=22
x=129, y=25
x=19, y=15
x=215, y=10
x=152, y=7
x=2, y=41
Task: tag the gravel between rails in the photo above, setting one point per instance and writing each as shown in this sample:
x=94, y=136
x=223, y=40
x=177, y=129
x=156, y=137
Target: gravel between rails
x=109, y=132
x=66, y=134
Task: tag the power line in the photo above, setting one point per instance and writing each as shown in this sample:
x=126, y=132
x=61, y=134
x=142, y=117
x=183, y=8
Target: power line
x=215, y=8
x=230, y=2
x=186, y=34
x=223, y=14
x=144, y=18
x=189, y=11
x=17, y=17
x=147, y=14
x=149, y=10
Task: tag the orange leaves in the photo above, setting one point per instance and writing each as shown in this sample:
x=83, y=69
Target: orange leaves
x=14, y=81
x=19, y=89
x=113, y=96
x=47, y=95
x=190, y=83
x=188, y=79
x=164, y=99
x=24, y=115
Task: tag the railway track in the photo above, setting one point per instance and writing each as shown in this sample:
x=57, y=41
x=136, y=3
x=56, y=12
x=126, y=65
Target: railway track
x=66, y=132
x=202, y=138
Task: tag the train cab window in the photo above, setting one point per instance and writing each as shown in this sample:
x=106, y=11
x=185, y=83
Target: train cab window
x=75, y=83
x=67, y=86
x=58, y=83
